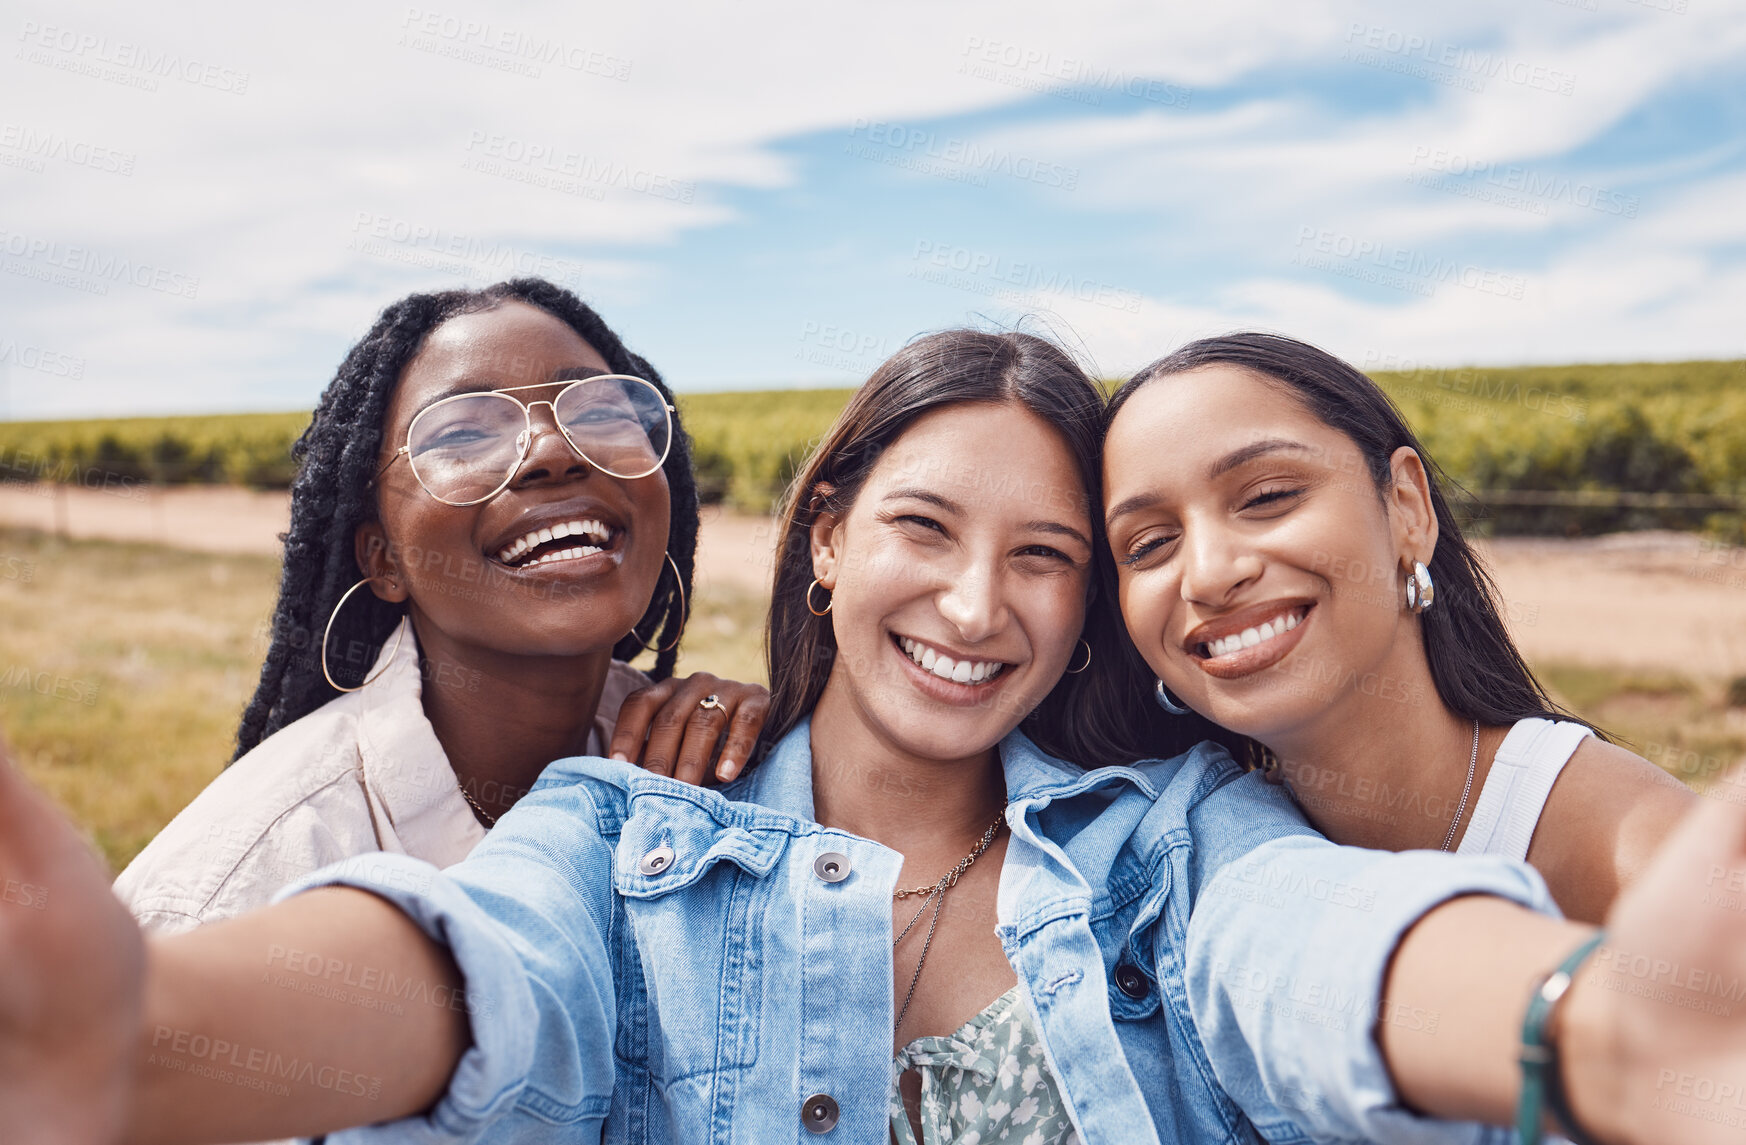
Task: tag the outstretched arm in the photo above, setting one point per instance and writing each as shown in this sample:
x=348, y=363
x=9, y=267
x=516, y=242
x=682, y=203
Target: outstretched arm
x=328, y=1010
x=1651, y=1018
x=209, y=1036
x=1358, y=993
x=336, y=1007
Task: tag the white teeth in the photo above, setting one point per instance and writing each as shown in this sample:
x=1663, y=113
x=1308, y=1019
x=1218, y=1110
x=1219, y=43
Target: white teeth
x=946, y=668
x=563, y=555
x=1250, y=637
x=591, y=529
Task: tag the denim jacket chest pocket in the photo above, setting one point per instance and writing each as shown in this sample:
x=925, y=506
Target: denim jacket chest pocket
x=694, y=891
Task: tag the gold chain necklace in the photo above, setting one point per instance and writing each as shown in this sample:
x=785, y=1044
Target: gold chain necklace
x=490, y=819
x=936, y=894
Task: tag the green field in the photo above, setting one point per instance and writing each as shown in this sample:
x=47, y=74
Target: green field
x=1546, y=449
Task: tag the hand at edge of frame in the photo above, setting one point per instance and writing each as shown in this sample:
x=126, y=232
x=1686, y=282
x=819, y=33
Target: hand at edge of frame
x=71, y=993
x=1653, y=1031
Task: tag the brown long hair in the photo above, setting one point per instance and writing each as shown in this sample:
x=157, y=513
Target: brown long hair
x=1478, y=671
x=949, y=368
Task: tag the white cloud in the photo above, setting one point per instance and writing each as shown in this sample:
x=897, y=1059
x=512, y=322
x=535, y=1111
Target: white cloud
x=650, y=126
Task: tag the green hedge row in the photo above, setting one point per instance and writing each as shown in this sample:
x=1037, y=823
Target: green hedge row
x=1581, y=433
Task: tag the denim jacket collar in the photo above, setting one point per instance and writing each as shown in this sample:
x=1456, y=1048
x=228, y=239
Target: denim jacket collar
x=783, y=781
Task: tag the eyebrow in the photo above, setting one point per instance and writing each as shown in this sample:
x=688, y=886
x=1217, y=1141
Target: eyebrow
x=1232, y=460
x=1250, y=452
x=1039, y=525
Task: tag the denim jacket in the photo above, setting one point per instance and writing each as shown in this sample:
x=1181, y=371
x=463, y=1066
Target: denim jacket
x=647, y=961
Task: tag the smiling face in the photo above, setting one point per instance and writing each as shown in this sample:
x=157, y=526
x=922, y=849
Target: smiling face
x=1260, y=570
x=565, y=559
x=958, y=580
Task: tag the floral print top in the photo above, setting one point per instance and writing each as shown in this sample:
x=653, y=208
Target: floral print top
x=987, y=1082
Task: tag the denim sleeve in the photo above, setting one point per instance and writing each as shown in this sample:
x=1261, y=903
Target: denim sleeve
x=526, y=917
x=1289, y=942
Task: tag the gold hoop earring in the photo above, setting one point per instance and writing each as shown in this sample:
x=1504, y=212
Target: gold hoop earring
x=809, y=606
x=684, y=611
x=400, y=630
x=1087, y=664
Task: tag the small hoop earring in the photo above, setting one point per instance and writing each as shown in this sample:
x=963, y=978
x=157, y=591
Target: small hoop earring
x=1421, y=594
x=1168, y=702
x=400, y=630
x=684, y=611
x=1087, y=664
x=828, y=602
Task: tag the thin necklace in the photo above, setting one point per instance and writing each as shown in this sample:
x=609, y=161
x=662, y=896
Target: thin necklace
x=936, y=894
x=490, y=819
x=1472, y=766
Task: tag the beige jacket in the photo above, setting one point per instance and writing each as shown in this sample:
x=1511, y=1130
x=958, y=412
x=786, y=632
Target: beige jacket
x=360, y=774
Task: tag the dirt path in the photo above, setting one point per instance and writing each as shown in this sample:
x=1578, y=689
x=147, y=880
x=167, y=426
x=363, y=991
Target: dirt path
x=1654, y=601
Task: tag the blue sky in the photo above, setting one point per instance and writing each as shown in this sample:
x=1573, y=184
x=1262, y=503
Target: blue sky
x=200, y=211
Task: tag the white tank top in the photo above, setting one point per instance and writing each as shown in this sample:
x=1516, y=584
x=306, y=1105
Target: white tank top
x=1528, y=763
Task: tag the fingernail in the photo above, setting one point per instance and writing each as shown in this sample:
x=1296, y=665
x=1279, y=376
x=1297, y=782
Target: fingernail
x=725, y=769
x=621, y=757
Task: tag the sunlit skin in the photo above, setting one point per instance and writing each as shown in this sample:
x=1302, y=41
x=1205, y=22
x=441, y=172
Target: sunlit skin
x=529, y=647
x=1229, y=504
x=966, y=559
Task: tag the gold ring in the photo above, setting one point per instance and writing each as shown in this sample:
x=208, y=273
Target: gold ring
x=711, y=702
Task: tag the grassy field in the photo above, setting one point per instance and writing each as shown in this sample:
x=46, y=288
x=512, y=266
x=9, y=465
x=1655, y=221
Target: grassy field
x=1672, y=434
x=123, y=669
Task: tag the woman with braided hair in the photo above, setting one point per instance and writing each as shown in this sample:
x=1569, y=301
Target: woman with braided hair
x=451, y=620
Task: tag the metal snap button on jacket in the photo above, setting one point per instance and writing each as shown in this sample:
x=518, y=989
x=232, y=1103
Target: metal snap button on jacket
x=656, y=860
x=832, y=866
x=1130, y=981
x=819, y=1113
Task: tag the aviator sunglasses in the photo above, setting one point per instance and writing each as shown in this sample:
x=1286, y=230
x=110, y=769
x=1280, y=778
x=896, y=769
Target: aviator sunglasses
x=467, y=448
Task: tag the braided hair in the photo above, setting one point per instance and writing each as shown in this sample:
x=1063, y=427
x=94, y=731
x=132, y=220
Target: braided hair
x=332, y=495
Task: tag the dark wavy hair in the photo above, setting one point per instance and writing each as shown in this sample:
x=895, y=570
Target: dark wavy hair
x=945, y=369
x=1478, y=672
x=332, y=495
